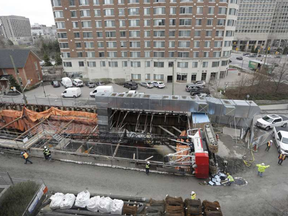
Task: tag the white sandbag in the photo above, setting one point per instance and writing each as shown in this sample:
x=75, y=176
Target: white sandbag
x=93, y=204
x=56, y=200
x=117, y=206
x=68, y=201
x=82, y=199
x=105, y=205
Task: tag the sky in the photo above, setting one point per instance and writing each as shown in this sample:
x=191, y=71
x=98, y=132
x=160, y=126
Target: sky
x=38, y=11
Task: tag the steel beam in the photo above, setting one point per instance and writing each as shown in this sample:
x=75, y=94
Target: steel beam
x=119, y=126
x=167, y=131
x=137, y=123
x=29, y=129
x=177, y=129
x=6, y=125
x=151, y=122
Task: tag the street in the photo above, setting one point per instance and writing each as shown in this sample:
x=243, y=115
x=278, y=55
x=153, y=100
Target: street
x=262, y=196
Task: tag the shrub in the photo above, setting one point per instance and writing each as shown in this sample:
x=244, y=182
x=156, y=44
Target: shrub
x=119, y=81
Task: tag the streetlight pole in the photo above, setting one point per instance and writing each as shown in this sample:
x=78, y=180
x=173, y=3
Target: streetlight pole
x=18, y=79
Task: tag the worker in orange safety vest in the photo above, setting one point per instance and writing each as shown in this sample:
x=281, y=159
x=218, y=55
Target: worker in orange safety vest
x=269, y=144
x=281, y=158
x=25, y=155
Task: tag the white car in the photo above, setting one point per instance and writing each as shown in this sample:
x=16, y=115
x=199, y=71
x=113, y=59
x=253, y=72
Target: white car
x=270, y=121
x=78, y=83
x=158, y=84
x=281, y=138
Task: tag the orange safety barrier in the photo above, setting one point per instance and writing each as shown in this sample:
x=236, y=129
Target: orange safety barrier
x=83, y=122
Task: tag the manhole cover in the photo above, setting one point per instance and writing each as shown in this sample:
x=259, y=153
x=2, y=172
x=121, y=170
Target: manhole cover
x=240, y=181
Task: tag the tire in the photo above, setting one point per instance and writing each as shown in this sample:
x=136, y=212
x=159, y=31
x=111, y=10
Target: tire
x=74, y=96
x=267, y=128
x=284, y=125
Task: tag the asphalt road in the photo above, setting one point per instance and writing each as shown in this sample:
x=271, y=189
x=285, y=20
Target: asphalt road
x=262, y=196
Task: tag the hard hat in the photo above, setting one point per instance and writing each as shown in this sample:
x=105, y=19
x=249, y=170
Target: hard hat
x=228, y=174
x=45, y=147
x=192, y=192
x=148, y=162
x=263, y=164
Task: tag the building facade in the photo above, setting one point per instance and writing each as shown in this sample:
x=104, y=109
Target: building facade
x=261, y=24
x=146, y=39
x=17, y=29
x=42, y=31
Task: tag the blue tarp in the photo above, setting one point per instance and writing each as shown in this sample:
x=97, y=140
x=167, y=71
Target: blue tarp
x=199, y=118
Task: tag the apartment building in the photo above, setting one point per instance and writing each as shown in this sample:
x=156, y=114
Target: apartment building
x=261, y=23
x=16, y=28
x=42, y=31
x=146, y=39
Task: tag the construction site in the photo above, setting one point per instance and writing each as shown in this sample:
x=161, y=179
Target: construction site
x=178, y=135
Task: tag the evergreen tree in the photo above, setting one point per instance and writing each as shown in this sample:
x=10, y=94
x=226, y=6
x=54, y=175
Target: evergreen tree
x=58, y=59
x=14, y=83
x=47, y=60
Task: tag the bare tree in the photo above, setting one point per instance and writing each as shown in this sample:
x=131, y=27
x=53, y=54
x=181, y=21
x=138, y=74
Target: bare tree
x=279, y=76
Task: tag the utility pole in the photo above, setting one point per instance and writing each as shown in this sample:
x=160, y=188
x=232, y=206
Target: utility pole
x=18, y=79
x=173, y=73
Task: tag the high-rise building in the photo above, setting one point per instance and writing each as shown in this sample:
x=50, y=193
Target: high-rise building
x=261, y=24
x=42, y=31
x=16, y=28
x=146, y=39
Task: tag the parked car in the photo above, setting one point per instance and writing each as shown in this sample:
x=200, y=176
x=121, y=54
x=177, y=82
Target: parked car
x=100, y=83
x=66, y=82
x=131, y=85
x=90, y=84
x=277, y=56
x=71, y=92
x=78, y=83
x=281, y=138
x=253, y=55
x=246, y=54
x=200, y=83
x=147, y=84
x=102, y=89
x=158, y=84
x=239, y=58
x=200, y=91
x=55, y=84
x=270, y=121
x=189, y=87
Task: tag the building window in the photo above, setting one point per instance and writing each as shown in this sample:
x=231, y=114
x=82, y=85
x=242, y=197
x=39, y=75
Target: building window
x=124, y=64
x=58, y=14
x=64, y=45
x=111, y=44
x=108, y=2
x=112, y=54
x=209, y=22
x=76, y=34
x=147, y=63
x=217, y=44
x=185, y=22
x=146, y=33
x=97, y=13
x=159, y=10
x=159, y=64
x=194, y=64
x=110, y=23
x=100, y=44
x=216, y=54
x=213, y=76
x=206, y=55
x=36, y=65
x=87, y=35
x=91, y=64
x=211, y=10
x=135, y=54
x=219, y=33
x=89, y=44
x=78, y=45
x=205, y=65
x=195, y=54
x=134, y=23
x=159, y=54
x=183, y=54
x=124, y=54
x=171, y=54
x=110, y=34
x=113, y=64
x=170, y=64
x=185, y=10
x=147, y=54
x=109, y=12
x=208, y=33
x=199, y=10
x=56, y=3
x=159, y=44
x=146, y=11
x=122, y=33
x=172, y=33
x=85, y=13
x=133, y=11
x=121, y=12
x=73, y=14
x=60, y=25
x=207, y=44
x=79, y=54
x=134, y=34
x=172, y=22
x=83, y=2
x=133, y=1
x=159, y=77
x=67, y=64
x=221, y=22
x=75, y=24
x=101, y=54
x=62, y=35
x=196, y=44
x=147, y=76
x=184, y=44
x=98, y=24
x=102, y=64
x=182, y=77
x=172, y=10
x=199, y=22
x=193, y=77
x=71, y=2
x=135, y=64
x=90, y=54
x=96, y=2
x=215, y=64
x=66, y=55
x=159, y=22
x=224, y=63
x=222, y=10
x=182, y=64
x=86, y=24
x=203, y=76
x=136, y=76
x=197, y=33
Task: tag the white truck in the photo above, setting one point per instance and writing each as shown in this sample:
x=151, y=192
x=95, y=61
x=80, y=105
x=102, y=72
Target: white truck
x=270, y=121
x=281, y=138
x=71, y=92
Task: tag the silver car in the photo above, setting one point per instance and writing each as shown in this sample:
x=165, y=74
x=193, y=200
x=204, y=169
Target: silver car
x=147, y=84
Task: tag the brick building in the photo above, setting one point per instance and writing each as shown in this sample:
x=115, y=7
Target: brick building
x=25, y=61
x=146, y=39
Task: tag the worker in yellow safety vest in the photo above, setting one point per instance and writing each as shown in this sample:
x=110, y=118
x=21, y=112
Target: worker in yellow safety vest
x=25, y=155
x=193, y=195
x=269, y=144
x=230, y=179
x=147, y=167
x=261, y=168
x=281, y=158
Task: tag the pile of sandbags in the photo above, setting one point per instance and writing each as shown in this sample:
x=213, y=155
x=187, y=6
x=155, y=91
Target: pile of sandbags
x=211, y=208
x=155, y=208
x=61, y=201
x=105, y=205
x=193, y=207
x=82, y=199
x=174, y=206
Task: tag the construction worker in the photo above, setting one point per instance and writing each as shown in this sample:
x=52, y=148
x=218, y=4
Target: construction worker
x=261, y=168
x=25, y=155
x=47, y=153
x=281, y=158
x=230, y=179
x=269, y=144
x=193, y=195
x=147, y=167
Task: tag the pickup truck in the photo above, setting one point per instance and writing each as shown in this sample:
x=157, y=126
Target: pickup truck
x=270, y=121
x=281, y=138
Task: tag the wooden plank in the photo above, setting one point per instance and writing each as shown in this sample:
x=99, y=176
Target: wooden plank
x=10, y=123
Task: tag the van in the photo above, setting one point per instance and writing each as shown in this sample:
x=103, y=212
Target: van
x=78, y=83
x=101, y=89
x=66, y=82
x=71, y=92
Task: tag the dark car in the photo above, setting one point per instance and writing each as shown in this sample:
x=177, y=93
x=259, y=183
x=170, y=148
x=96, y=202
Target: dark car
x=100, y=83
x=131, y=85
x=199, y=91
x=246, y=54
x=239, y=58
x=191, y=87
x=55, y=84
